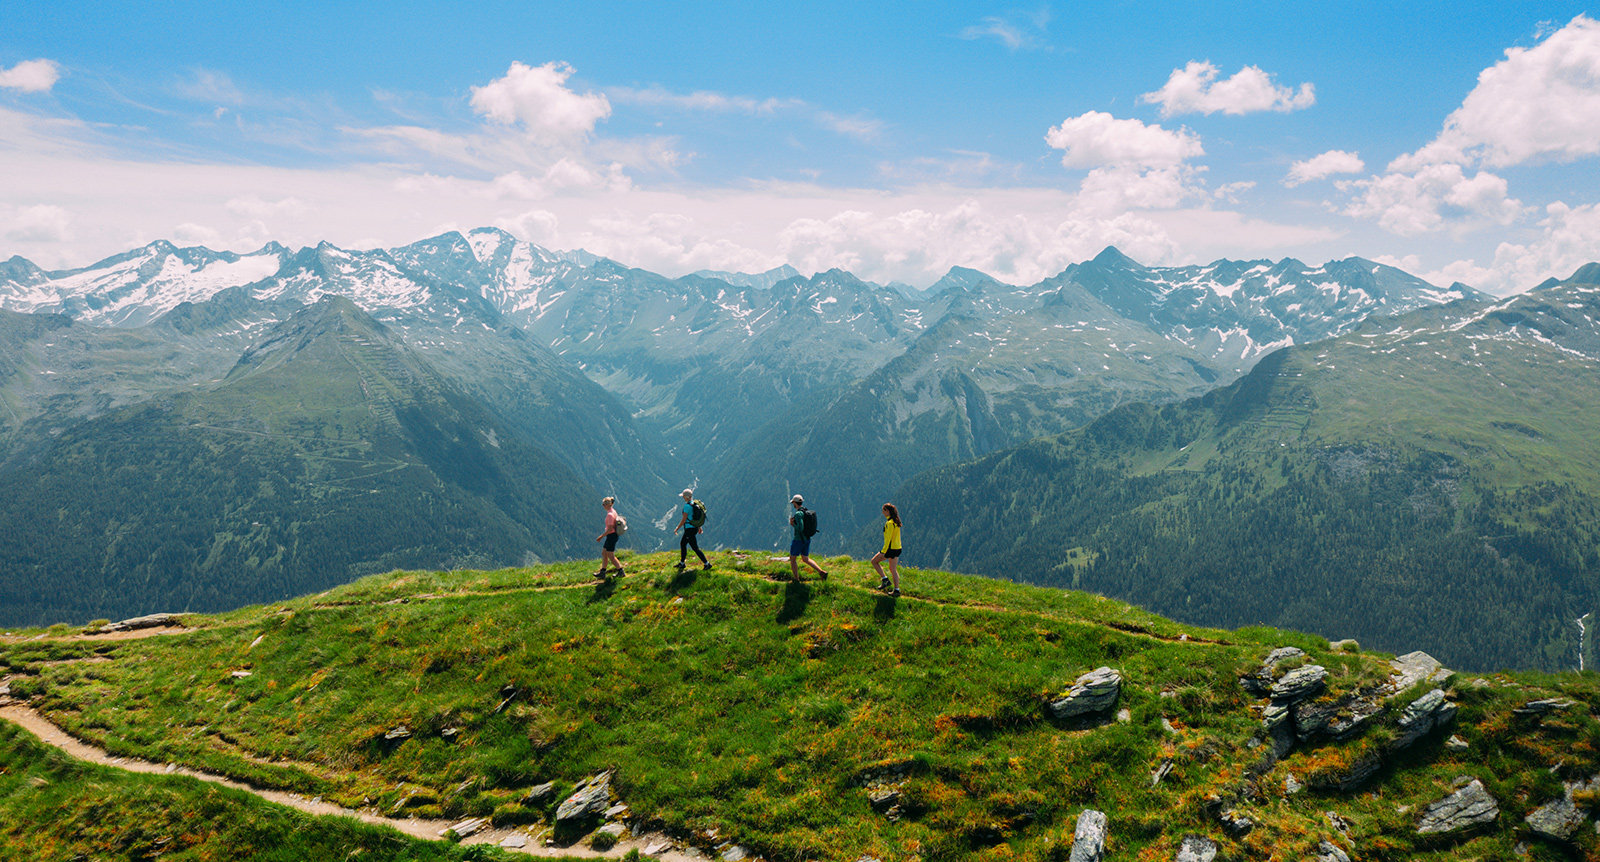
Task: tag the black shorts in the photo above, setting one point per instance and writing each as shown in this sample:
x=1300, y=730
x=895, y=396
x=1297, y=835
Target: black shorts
x=611, y=541
x=892, y=553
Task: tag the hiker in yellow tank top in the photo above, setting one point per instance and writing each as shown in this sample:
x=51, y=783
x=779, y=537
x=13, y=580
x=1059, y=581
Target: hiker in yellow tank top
x=890, y=552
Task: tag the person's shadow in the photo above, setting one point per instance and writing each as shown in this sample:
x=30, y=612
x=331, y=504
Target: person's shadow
x=796, y=596
x=884, y=610
x=602, y=591
x=683, y=580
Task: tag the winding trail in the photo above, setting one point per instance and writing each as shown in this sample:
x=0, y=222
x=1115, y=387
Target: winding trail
x=31, y=720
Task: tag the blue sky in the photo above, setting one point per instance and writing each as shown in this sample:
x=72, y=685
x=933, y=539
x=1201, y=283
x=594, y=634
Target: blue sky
x=1460, y=141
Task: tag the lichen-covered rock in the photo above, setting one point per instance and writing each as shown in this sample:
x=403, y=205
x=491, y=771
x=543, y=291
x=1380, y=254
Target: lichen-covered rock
x=1470, y=806
x=1414, y=667
x=1350, y=777
x=1236, y=824
x=1089, y=838
x=1422, y=717
x=885, y=801
x=1259, y=681
x=590, y=799
x=1299, y=684
x=1196, y=849
x=541, y=794
x=1328, y=851
x=1095, y=691
x=1561, y=819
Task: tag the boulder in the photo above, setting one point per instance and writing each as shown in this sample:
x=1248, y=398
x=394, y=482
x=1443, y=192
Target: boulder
x=1094, y=692
x=1299, y=684
x=1258, y=682
x=1537, y=709
x=1236, y=824
x=1414, y=667
x=1468, y=807
x=1089, y=838
x=1425, y=714
x=149, y=621
x=1328, y=851
x=885, y=801
x=540, y=795
x=1196, y=849
x=1350, y=777
x=734, y=853
x=1561, y=819
x=590, y=799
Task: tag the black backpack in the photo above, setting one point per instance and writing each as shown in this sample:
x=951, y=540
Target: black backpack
x=697, y=514
x=808, y=522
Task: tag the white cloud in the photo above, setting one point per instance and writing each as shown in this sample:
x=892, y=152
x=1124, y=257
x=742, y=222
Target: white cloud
x=1194, y=89
x=1433, y=197
x=540, y=227
x=1117, y=188
x=1323, y=166
x=1097, y=139
x=1569, y=238
x=41, y=223
x=699, y=100
x=1538, y=104
x=31, y=76
x=537, y=99
x=1017, y=30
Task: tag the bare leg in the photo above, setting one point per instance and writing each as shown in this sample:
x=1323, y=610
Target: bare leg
x=814, y=567
x=894, y=571
x=876, y=559
x=794, y=569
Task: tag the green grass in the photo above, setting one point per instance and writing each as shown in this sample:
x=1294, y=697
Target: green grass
x=56, y=808
x=733, y=701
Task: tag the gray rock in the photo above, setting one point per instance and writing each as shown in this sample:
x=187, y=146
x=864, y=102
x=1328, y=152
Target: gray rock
x=1561, y=819
x=148, y=621
x=1542, y=708
x=1095, y=691
x=1328, y=851
x=541, y=794
x=514, y=841
x=734, y=853
x=1456, y=743
x=1259, y=681
x=615, y=830
x=1275, y=715
x=589, y=800
x=885, y=801
x=1089, y=838
x=1420, y=718
x=1292, y=785
x=1299, y=684
x=1236, y=824
x=398, y=732
x=1351, y=777
x=1470, y=806
x=1160, y=771
x=467, y=827
x=1196, y=849
x=1414, y=667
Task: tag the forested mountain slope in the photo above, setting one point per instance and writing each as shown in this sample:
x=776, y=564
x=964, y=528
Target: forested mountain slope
x=1431, y=480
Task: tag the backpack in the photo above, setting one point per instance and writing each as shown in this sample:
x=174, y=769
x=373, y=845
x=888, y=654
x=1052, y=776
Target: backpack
x=808, y=522
x=622, y=526
x=697, y=517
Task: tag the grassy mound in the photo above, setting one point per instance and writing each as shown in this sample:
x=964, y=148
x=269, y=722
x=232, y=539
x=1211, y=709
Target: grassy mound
x=776, y=714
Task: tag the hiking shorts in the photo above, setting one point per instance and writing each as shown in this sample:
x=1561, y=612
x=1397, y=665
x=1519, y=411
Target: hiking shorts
x=891, y=553
x=800, y=547
x=611, y=541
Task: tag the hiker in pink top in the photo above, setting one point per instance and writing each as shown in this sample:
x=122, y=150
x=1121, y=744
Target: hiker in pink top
x=608, y=552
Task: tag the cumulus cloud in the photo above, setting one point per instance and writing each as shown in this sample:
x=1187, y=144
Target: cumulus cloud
x=1098, y=139
x=1324, y=166
x=1538, y=104
x=42, y=223
x=31, y=76
x=1569, y=238
x=537, y=99
x=1194, y=89
x=1433, y=197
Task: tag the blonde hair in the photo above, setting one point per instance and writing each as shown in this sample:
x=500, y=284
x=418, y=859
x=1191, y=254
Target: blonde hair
x=609, y=501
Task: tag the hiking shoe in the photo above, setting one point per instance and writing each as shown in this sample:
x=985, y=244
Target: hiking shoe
x=706, y=567
x=894, y=593
x=883, y=583
x=679, y=567
x=601, y=573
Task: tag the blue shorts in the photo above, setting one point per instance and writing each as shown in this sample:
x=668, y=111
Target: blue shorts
x=611, y=541
x=800, y=547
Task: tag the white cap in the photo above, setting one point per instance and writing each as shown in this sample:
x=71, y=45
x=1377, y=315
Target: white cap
x=686, y=492
x=797, y=499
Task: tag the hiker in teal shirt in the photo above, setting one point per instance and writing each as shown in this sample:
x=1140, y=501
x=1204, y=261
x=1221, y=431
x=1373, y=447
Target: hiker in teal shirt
x=692, y=523
x=800, y=546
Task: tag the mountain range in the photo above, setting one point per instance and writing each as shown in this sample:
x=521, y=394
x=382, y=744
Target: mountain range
x=747, y=387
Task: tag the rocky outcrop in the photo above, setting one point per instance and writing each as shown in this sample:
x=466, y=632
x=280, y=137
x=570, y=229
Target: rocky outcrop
x=1414, y=667
x=590, y=799
x=1298, y=684
x=1258, y=682
x=1538, y=709
x=1089, y=838
x=1561, y=819
x=1470, y=806
x=149, y=621
x=1421, y=717
x=1094, y=692
x=1196, y=849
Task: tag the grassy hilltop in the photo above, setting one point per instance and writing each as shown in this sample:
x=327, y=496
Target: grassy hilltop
x=773, y=714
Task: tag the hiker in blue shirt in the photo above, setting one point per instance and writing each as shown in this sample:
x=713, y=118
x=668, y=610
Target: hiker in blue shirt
x=800, y=545
x=692, y=523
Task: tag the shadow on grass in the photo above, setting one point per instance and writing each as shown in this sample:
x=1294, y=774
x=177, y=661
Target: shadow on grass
x=683, y=580
x=602, y=591
x=884, y=611
x=796, y=596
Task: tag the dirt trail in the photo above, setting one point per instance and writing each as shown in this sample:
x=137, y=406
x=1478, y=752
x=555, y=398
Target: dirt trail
x=32, y=721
